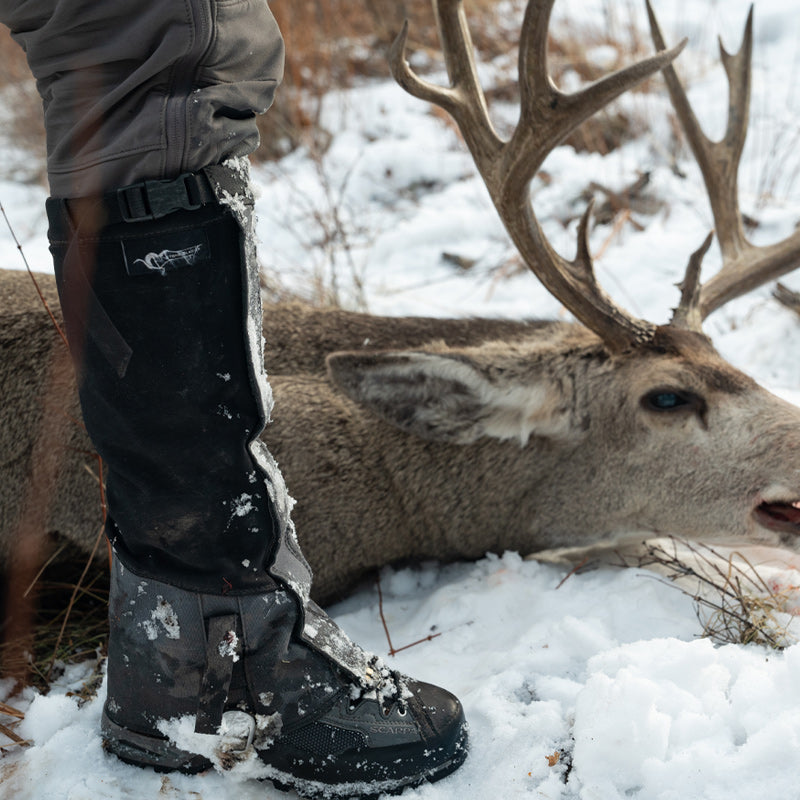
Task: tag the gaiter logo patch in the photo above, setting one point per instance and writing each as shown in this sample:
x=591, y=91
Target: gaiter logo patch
x=166, y=252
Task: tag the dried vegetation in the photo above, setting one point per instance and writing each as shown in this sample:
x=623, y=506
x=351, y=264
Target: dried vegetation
x=735, y=604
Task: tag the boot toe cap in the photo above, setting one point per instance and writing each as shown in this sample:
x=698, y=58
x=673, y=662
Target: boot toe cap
x=438, y=711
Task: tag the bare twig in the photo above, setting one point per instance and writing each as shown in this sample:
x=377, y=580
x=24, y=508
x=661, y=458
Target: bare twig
x=33, y=277
x=392, y=649
x=574, y=571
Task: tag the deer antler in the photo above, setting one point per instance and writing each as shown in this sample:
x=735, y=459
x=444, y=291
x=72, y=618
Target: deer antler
x=547, y=115
x=744, y=265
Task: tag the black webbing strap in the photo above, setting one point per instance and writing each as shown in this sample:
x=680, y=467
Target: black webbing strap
x=149, y=200
x=223, y=649
x=155, y=199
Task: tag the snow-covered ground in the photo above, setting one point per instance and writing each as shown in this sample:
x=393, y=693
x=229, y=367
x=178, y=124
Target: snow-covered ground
x=606, y=670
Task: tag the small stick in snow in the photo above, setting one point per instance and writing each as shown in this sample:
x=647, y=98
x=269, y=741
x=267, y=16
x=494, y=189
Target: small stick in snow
x=16, y=739
x=392, y=650
x=574, y=571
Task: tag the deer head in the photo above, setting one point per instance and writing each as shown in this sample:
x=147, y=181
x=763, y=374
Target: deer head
x=648, y=416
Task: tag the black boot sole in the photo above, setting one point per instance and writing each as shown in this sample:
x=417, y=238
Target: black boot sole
x=161, y=755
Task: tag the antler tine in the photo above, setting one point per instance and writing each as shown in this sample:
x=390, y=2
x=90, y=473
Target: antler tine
x=744, y=265
x=465, y=100
x=687, y=314
x=547, y=115
x=507, y=168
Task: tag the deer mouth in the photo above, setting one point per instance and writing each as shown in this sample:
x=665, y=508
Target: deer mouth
x=782, y=517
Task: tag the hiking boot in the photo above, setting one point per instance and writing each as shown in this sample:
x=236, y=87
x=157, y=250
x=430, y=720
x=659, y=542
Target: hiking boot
x=197, y=680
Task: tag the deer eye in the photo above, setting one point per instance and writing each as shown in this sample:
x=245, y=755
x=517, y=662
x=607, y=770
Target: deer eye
x=669, y=400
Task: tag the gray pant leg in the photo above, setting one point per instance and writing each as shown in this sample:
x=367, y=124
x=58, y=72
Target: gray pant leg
x=146, y=89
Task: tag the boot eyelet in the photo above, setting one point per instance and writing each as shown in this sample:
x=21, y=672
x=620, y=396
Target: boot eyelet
x=402, y=711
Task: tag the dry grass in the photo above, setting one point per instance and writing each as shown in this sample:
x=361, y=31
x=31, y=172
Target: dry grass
x=61, y=596
x=578, y=52
x=734, y=603
x=11, y=717
x=332, y=43
x=70, y=625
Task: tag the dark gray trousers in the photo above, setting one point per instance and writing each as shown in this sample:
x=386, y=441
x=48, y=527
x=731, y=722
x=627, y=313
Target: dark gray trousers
x=146, y=89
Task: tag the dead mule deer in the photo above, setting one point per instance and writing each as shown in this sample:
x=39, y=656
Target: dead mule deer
x=473, y=436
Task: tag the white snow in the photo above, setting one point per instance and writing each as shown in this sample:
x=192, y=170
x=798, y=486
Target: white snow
x=606, y=669
x=229, y=646
x=164, y=614
x=242, y=505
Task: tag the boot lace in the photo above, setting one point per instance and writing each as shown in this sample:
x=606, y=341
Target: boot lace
x=386, y=686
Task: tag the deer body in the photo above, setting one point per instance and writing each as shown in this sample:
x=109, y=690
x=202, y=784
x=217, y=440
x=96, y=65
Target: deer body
x=479, y=435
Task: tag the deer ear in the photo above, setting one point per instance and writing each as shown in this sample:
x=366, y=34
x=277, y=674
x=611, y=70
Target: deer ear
x=447, y=397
